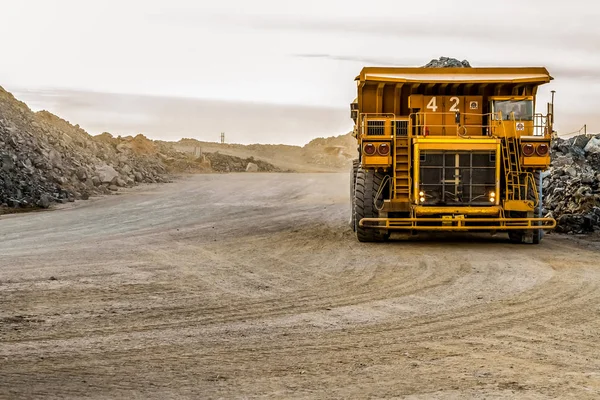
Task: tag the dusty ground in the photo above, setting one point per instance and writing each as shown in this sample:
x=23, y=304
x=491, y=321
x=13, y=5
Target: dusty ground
x=252, y=286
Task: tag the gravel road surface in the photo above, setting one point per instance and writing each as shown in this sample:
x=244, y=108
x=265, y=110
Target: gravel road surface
x=253, y=286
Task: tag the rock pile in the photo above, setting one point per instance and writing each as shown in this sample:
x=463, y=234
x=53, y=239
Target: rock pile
x=226, y=163
x=44, y=159
x=572, y=184
x=447, y=62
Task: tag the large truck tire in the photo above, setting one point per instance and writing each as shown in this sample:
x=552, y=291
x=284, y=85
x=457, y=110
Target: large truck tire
x=533, y=236
x=353, y=170
x=367, y=185
x=535, y=197
x=515, y=236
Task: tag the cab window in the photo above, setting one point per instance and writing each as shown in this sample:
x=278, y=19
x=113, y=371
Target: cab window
x=522, y=109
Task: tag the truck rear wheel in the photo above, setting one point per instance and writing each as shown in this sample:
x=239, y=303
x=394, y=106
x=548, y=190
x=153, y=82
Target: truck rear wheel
x=533, y=236
x=353, y=170
x=368, y=183
x=515, y=236
x=535, y=196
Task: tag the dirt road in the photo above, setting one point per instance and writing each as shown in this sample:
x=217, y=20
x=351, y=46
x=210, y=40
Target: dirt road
x=252, y=286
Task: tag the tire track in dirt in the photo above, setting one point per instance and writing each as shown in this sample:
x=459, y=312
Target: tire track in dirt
x=278, y=300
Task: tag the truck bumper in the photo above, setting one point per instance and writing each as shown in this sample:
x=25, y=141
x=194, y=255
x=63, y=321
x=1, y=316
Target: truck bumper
x=458, y=223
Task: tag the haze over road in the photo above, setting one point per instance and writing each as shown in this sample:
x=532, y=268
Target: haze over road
x=253, y=286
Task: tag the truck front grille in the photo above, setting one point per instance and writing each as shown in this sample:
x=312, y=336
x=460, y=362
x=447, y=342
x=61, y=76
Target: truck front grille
x=457, y=178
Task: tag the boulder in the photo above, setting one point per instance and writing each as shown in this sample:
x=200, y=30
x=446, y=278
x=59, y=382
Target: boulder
x=593, y=146
x=138, y=176
x=126, y=169
x=251, y=167
x=106, y=173
x=580, y=141
x=572, y=171
x=82, y=174
x=6, y=162
x=45, y=200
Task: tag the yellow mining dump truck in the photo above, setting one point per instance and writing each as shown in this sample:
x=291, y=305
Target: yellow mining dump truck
x=449, y=149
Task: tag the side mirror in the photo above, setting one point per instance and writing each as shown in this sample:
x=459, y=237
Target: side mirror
x=354, y=111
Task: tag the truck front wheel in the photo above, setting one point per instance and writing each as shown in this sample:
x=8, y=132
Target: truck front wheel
x=353, y=170
x=368, y=183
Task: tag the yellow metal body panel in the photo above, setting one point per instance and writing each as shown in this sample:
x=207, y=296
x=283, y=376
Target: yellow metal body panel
x=376, y=138
x=472, y=117
x=376, y=161
x=464, y=144
x=395, y=205
x=415, y=101
x=433, y=210
x=490, y=142
x=437, y=114
x=515, y=129
x=434, y=121
x=518, y=205
x=535, y=162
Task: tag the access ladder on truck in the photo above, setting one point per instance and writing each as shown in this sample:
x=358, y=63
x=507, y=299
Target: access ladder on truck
x=402, y=161
x=518, y=182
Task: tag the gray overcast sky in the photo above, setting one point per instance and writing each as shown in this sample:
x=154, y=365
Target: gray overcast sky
x=297, y=52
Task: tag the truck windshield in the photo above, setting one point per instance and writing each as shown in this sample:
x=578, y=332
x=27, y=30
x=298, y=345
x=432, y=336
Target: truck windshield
x=522, y=109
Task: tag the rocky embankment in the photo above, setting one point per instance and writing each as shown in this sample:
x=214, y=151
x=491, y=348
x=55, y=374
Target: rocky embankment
x=45, y=159
x=572, y=184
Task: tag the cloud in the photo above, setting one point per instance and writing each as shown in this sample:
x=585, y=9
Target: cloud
x=580, y=73
x=379, y=61
x=171, y=118
x=510, y=32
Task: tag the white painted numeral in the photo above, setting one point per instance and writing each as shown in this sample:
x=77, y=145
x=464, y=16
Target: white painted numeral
x=432, y=105
x=454, y=107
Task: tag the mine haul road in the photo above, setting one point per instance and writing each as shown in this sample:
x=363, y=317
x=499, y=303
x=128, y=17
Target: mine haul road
x=253, y=286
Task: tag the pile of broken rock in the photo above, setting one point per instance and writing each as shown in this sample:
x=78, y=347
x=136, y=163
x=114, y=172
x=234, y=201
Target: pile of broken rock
x=46, y=160
x=571, y=185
